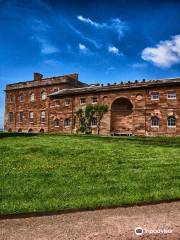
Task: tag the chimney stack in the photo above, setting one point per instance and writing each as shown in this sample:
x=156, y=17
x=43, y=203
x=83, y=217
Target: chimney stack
x=74, y=76
x=38, y=76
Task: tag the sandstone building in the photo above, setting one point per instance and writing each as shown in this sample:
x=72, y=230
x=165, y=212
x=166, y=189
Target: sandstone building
x=135, y=108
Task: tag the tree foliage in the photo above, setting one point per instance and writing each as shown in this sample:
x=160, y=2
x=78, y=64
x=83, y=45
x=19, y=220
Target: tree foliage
x=86, y=115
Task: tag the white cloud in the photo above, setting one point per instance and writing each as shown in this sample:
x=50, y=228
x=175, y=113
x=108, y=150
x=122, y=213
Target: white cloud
x=165, y=54
x=82, y=47
x=139, y=65
x=114, y=50
x=46, y=47
x=51, y=62
x=115, y=24
x=93, y=23
x=83, y=37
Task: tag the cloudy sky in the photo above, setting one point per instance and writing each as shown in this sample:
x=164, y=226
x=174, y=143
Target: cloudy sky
x=103, y=41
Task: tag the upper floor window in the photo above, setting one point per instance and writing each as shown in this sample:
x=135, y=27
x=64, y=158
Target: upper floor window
x=171, y=95
x=43, y=95
x=154, y=121
x=67, y=122
x=21, y=98
x=11, y=117
x=171, y=121
x=94, y=121
x=82, y=100
x=32, y=97
x=155, y=96
x=31, y=117
x=55, y=89
x=94, y=100
x=67, y=102
x=43, y=116
x=56, y=122
x=11, y=99
x=57, y=103
x=21, y=115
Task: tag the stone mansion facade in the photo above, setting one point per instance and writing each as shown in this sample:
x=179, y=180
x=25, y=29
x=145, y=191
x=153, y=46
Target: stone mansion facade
x=149, y=108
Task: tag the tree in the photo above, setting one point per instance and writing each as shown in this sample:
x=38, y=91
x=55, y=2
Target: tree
x=85, y=116
x=89, y=113
x=100, y=110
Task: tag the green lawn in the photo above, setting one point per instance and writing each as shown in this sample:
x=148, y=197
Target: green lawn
x=55, y=172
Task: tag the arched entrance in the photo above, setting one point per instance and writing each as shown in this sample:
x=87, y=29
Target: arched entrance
x=19, y=130
x=121, y=116
x=41, y=130
x=30, y=130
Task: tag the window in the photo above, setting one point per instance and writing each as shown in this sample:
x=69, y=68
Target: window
x=32, y=97
x=57, y=103
x=21, y=115
x=56, y=122
x=67, y=122
x=21, y=98
x=55, y=89
x=171, y=95
x=82, y=101
x=171, y=121
x=43, y=95
x=11, y=99
x=31, y=117
x=94, y=121
x=43, y=117
x=155, y=122
x=94, y=100
x=11, y=117
x=67, y=102
x=155, y=96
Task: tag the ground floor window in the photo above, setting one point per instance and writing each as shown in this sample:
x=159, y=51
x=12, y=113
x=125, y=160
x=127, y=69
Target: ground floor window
x=31, y=117
x=155, y=122
x=94, y=121
x=56, y=122
x=171, y=121
x=43, y=117
x=21, y=115
x=11, y=117
x=67, y=122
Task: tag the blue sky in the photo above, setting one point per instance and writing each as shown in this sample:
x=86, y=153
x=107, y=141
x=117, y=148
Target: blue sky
x=103, y=41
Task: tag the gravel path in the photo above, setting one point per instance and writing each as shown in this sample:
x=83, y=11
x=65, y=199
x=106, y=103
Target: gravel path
x=116, y=224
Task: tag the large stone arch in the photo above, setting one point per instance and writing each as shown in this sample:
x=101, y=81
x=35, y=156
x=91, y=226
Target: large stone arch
x=122, y=116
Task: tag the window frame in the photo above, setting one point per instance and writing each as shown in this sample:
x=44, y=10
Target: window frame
x=67, y=102
x=11, y=100
x=43, y=95
x=94, y=102
x=21, y=98
x=32, y=94
x=81, y=102
x=11, y=117
x=69, y=122
x=174, y=119
x=155, y=118
x=92, y=123
x=155, y=94
x=31, y=119
x=171, y=94
x=55, y=121
x=21, y=117
x=43, y=119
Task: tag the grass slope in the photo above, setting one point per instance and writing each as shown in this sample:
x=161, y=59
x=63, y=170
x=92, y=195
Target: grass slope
x=54, y=172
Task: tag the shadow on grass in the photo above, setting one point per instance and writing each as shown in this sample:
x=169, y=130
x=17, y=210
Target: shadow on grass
x=142, y=140
x=6, y=134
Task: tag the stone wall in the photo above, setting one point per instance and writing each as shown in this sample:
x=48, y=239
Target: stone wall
x=63, y=106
